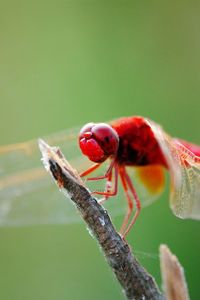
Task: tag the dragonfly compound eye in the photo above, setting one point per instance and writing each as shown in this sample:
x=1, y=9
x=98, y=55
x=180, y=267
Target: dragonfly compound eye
x=98, y=141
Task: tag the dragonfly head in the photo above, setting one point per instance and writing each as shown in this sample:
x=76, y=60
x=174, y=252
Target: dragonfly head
x=98, y=141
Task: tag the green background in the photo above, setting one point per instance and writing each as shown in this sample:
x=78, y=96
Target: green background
x=65, y=63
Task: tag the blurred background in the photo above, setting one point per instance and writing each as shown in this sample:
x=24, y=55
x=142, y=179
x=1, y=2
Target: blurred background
x=65, y=63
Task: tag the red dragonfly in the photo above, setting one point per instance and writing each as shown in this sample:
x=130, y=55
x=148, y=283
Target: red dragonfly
x=141, y=143
x=138, y=151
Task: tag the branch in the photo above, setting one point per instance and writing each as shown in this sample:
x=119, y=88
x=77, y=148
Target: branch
x=134, y=279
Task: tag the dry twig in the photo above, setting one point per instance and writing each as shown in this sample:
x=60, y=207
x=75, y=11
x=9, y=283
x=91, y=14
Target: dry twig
x=134, y=279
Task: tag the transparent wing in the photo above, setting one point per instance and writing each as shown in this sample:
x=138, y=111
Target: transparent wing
x=184, y=169
x=149, y=182
x=28, y=195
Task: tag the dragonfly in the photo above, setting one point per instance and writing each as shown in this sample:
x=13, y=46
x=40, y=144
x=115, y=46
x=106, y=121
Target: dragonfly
x=135, y=149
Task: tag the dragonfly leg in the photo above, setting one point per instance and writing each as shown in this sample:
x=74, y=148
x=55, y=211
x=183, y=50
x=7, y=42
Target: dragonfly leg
x=137, y=202
x=106, y=175
x=107, y=189
x=90, y=170
x=107, y=193
x=129, y=201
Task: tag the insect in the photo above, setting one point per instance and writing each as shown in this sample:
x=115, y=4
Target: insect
x=138, y=152
x=139, y=142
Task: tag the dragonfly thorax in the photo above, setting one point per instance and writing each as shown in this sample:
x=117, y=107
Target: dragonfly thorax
x=137, y=143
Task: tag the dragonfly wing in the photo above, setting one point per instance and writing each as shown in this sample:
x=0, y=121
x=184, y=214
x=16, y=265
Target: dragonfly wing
x=24, y=156
x=149, y=182
x=36, y=201
x=27, y=193
x=185, y=197
x=184, y=169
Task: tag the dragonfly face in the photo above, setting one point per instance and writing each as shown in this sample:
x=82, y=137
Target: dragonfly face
x=98, y=141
